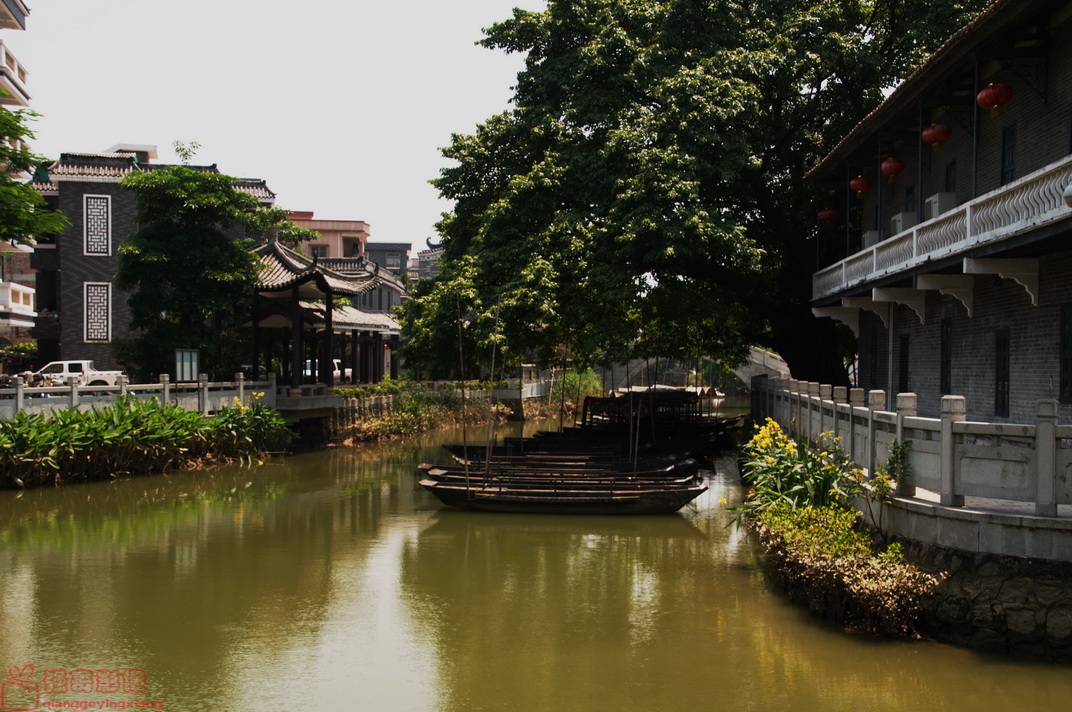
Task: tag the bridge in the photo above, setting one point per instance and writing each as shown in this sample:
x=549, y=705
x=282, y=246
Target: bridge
x=760, y=362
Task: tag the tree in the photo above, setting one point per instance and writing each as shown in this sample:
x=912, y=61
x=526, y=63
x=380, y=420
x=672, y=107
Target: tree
x=189, y=271
x=649, y=177
x=23, y=216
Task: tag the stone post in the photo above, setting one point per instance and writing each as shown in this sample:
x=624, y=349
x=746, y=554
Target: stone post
x=813, y=403
x=124, y=384
x=1046, y=459
x=165, y=385
x=953, y=411
x=841, y=395
x=876, y=400
x=202, y=393
x=794, y=407
x=856, y=400
x=72, y=398
x=20, y=395
x=240, y=379
x=906, y=408
x=826, y=394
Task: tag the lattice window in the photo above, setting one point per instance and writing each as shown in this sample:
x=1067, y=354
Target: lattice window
x=98, y=315
x=97, y=217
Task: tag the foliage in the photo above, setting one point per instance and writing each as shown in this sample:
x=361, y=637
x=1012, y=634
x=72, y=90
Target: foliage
x=645, y=189
x=829, y=565
x=18, y=352
x=23, y=216
x=786, y=472
x=416, y=408
x=188, y=271
x=574, y=386
x=132, y=437
x=875, y=490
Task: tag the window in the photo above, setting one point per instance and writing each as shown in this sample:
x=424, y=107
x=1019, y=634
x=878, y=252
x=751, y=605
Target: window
x=910, y=199
x=951, y=177
x=394, y=260
x=97, y=225
x=1065, y=356
x=1008, y=154
x=902, y=366
x=97, y=297
x=872, y=366
x=1001, y=373
x=945, y=357
x=318, y=251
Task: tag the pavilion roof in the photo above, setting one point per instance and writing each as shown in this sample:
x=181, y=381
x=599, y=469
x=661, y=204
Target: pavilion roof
x=282, y=269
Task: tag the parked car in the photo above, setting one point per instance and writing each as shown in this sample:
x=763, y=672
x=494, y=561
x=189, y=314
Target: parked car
x=56, y=373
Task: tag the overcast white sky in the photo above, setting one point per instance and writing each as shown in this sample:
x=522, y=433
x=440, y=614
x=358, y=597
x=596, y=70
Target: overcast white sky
x=341, y=105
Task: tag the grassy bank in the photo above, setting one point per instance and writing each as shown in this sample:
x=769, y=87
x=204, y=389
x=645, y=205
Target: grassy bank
x=131, y=437
x=828, y=557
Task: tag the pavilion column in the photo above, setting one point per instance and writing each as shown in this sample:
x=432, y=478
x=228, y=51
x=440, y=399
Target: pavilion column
x=354, y=346
x=256, y=340
x=327, y=364
x=296, y=345
x=377, y=358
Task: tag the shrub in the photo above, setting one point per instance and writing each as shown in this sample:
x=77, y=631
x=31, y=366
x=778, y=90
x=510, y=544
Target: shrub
x=828, y=565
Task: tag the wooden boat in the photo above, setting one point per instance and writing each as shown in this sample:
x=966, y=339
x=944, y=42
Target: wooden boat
x=579, y=500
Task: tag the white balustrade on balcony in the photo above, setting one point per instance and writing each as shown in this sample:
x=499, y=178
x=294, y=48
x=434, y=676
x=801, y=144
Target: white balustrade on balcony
x=17, y=300
x=1024, y=204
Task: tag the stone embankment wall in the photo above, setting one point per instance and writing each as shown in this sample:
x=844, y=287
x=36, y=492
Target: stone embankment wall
x=997, y=603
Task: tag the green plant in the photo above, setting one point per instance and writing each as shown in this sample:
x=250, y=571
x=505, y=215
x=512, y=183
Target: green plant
x=875, y=490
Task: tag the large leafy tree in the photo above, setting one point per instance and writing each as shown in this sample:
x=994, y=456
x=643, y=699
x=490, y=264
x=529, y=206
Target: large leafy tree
x=188, y=271
x=23, y=216
x=646, y=189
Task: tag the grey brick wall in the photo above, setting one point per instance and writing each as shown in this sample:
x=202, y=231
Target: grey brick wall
x=998, y=303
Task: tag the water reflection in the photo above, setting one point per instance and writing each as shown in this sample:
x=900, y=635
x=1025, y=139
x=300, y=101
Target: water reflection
x=332, y=580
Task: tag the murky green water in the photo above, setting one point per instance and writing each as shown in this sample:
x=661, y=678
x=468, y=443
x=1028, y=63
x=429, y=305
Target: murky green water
x=331, y=581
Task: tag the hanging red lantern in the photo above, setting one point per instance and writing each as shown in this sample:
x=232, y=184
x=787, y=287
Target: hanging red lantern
x=828, y=216
x=861, y=185
x=936, y=135
x=892, y=167
x=995, y=96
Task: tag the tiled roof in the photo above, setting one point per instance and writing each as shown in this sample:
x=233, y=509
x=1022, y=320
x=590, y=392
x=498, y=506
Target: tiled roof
x=348, y=317
x=113, y=167
x=282, y=268
x=946, y=61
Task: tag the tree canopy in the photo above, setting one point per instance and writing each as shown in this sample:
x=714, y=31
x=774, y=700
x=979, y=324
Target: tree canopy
x=645, y=191
x=188, y=271
x=23, y=216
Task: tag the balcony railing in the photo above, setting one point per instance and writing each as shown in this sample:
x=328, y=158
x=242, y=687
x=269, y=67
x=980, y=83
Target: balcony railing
x=17, y=300
x=12, y=79
x=1022, y=205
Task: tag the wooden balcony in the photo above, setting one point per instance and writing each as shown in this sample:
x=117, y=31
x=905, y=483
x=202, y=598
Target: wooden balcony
x=1026, y=204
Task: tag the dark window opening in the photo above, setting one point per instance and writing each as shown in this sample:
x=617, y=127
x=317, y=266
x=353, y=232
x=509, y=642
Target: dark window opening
x=902, y=366
x=1065, y=356
x=1001, y=373
x=1008, y=154
x=910, y=199
x=945, y=358
x=951, y=177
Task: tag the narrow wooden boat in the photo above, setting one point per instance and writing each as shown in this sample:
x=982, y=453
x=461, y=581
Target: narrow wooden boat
x=653, y=500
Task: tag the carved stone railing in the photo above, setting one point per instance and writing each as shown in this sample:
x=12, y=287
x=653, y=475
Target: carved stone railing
x=1024, y=204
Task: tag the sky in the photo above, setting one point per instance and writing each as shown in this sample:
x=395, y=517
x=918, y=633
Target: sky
x=340, y=105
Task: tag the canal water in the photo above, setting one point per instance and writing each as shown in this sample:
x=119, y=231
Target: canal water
x=331, y=581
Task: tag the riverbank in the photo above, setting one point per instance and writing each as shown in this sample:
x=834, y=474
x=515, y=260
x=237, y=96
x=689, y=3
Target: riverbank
x=131, y=437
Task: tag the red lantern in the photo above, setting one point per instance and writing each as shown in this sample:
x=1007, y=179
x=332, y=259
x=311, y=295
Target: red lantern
x=936, y=135
x=828, y=216
x=995, y=96
x=892, y=167
x=861, y=185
